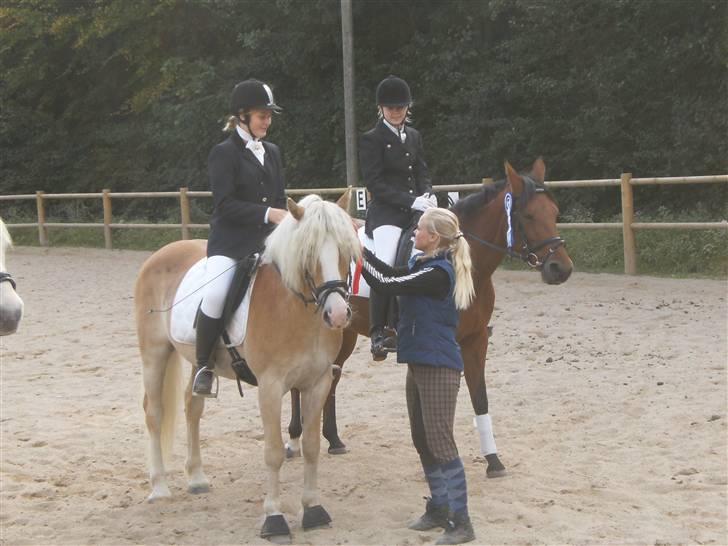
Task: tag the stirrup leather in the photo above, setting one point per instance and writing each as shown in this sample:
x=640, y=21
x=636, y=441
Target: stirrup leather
x=216, y=385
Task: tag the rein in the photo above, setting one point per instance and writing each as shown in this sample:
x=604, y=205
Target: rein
x=528, y=252
x=7, y=277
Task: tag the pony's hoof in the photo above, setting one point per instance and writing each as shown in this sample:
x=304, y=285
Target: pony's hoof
x=338, y=450
x=159, y=495
x=275, y=529
x=495, y=467
x=292, y=453
x=314, y=517
x=198, y=488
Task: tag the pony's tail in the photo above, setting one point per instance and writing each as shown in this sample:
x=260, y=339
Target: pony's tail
x=171, y=395
x=464, y=289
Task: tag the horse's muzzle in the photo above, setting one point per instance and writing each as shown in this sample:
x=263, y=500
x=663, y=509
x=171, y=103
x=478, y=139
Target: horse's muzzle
x=555, y=272
x=334, y=321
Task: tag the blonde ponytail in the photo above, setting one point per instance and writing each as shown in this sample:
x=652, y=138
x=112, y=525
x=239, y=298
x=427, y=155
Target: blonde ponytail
x=445, y=224
x=464, y=289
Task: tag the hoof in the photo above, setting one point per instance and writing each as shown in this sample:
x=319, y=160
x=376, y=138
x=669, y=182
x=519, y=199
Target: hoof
x=338, y=450
x=495, y=467
x=292, y=453
x=315, y=516
x=157, y=496
x=276, y=530
x=198, y=488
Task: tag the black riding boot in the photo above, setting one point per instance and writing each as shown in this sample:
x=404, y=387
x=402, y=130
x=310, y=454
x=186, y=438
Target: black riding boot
x=208, y=332
x=377, y=319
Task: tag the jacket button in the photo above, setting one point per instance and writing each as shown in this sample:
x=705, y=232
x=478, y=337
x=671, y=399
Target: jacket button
x=389, y=145
x=410, y=167
x=407, y=154
x=412, y=191
x=265, y=199
x=409, y=178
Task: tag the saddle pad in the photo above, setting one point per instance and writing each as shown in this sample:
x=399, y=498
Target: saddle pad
x=185, y=308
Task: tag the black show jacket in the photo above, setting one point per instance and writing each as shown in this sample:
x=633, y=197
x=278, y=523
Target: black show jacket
x=242, y=191
x=395, y=173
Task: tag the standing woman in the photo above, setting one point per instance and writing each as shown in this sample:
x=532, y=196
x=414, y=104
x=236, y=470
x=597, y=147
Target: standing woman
x=396, y=175
x=248, y=192
x=435, y=285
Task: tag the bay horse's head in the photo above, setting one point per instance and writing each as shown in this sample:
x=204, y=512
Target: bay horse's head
x=11, y=306
x=533, y=219
x=313, y=248
x=517, y=217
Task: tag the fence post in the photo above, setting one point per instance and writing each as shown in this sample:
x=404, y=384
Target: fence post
x=628, y=239
x=42, y=230
x=106, y=200
x=184, y=211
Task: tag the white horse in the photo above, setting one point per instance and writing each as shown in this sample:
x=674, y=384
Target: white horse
x=11, y=306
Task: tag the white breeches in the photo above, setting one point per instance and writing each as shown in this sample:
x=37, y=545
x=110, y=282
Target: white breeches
x=385, y=243
x=219, y=272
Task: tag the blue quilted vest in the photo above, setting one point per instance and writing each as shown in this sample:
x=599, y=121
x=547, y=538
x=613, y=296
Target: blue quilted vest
x=426, y=332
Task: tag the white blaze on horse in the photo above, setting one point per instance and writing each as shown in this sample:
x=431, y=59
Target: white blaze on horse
x=11, y=306
x=298, y=309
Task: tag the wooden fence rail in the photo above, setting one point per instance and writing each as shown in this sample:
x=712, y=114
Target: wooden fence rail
x=625, y=182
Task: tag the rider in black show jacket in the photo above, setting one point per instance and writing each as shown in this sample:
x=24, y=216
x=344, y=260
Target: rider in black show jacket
x=247, y=183
x=242, y=191
x=395, y=173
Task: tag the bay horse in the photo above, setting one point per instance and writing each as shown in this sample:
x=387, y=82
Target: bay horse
x=485, y=221
x=298, y=309
x=11, y=306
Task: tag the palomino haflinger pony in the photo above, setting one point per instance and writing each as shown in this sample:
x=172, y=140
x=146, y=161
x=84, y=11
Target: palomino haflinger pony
x=514, y=217
x=298, y=309
x=11, y=306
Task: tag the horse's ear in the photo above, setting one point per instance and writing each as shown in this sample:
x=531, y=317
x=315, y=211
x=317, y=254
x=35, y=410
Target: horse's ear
x=344, y=200
x=538, y=170
x=514, y=180
x=295, y=209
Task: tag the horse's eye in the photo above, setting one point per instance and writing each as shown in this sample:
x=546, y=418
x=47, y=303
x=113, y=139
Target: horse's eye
x=528, y=217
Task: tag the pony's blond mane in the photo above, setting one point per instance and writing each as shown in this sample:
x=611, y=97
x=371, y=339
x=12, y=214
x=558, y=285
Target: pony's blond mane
x=295, y=246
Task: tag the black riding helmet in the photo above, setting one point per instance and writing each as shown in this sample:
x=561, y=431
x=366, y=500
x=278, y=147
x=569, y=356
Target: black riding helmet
x=393, y=92
x=251, y=95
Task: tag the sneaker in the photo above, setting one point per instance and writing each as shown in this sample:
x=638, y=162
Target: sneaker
x=434, y=516
x=458, y=531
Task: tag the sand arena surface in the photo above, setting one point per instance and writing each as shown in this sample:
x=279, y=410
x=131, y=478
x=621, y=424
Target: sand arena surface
x=608, y=396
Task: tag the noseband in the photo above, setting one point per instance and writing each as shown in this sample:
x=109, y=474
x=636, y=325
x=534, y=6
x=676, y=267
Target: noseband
x=528, y=251
x=320, y=293
x=7, y=277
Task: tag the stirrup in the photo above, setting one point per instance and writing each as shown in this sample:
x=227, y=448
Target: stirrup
x=216, y=379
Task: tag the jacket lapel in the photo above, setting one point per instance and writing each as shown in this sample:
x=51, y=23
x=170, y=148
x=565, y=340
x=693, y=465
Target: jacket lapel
x=247, y=154
x=388, y=135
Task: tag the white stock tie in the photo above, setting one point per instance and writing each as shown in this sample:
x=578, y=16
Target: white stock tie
x=256, y=147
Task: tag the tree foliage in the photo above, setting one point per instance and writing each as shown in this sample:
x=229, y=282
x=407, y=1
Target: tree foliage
x=131, y=95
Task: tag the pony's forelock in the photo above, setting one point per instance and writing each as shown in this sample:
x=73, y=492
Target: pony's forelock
x=295, y=246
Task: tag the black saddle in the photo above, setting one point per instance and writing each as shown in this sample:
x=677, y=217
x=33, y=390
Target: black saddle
x=401, y=259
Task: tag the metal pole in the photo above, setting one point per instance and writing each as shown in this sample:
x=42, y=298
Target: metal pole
x=347, y=43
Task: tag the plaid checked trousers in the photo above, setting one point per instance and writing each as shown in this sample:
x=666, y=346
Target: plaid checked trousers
x=432, y=394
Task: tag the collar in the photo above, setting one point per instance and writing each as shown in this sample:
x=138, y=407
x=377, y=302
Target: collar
x=245, y=135
x=399, y=132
